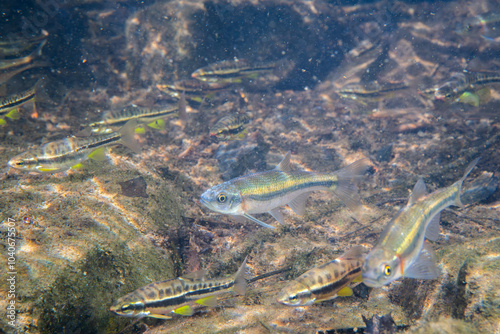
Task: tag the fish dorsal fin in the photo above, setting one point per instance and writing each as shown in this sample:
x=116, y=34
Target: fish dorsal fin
x=195, y=275
x=284, y=165
x=278, y=215
x=354, y=252
x=433, y=229
x=423, y=267
x=419, y=191
x=298, y=204
x=240, y=283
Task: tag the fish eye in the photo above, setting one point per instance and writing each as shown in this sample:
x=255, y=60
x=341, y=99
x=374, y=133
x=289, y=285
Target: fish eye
x=293, y=298
x=387, y=270
x=221, y=198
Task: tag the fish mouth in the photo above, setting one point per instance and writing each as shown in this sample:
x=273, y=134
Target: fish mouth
x=370, y=282
x=204, y=202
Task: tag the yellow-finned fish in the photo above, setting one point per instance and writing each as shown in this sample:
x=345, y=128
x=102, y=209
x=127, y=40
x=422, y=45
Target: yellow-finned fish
x=325, y=282
x=9, y=105
x=267, y=191
x=460, y=83
x=152, y=117
x=230, y=127
x=194, y=90
x=61, y=155
x=400, y=250
x=178, y=296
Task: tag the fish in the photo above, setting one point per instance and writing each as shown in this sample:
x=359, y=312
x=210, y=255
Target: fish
x=269, y=190
x=326, y=282
x=152, y=117
x=478, y=23
x=70, y=152
x=18, y=46
x=6, y=64
x=230, y=127
x=372, y=90
x=459, y=83
x=401, y=250
x=238, y=70
x=194, y=90
x=9, y=105
x=164, y=299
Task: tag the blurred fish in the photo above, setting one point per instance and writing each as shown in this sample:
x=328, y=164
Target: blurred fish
x=400, y=250
x=267, y=191
x=478, y=23
x=178, y=296
x=9, y=105
x=230, y=127
x=152, y=117
x=459, y=83
x=237, y=70
x=6, y=64
x=372, y=90
x=61, y=155
x=194, y=90
x=325, y=282
x=12, y=48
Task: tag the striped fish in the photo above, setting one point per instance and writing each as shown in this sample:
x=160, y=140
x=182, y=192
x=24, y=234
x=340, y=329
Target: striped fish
x=371, y=90
x=178, y=296
x=9, y=105
x=152, y=117
x=267, y=191
x=230, y=127
x=459, y=83
x=61, y=155
x=194, y=90
x=325, y=282
x=400, y=250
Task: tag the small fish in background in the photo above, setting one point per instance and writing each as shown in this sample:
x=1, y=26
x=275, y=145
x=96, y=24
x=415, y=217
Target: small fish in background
x=239, y=71
x=468, y=87
x=194, y=90
x=18, y=47
x=231, y=127
x=325, y=282
x=70, y=152
x=370, y=91
x=153, y=117
x=267, y=191
x=9, y=105
x=179, y=296
x=400, y=250
x=478, y=24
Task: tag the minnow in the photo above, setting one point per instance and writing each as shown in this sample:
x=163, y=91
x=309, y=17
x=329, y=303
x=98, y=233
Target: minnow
x=230, y=127
x=460, y=83
x=9, y=47
x=9, y=105
x=267, y=191
x=325, y=282
x=193, y=89
x=236, y=70
x=400, y=250
x=370, y=90
x=6, y=64
x=61, y=155
x=152, y=117
x=178, y=296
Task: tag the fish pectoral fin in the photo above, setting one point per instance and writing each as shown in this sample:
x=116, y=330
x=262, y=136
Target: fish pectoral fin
x=98, y=155
x=2, y=121
x=433, y=230
x=207, y=301
x=358, y=279
x=77, y=166
x=159, y=124
x=140, y=130
x=48, y=169
x=419, y=191
x=159, y=316
x=278, y=215
x=424, y=267
x=469, y=98
x=298, y=204
x=345, y=292
x=258, y=221
x=185, y=310
x=13, y=114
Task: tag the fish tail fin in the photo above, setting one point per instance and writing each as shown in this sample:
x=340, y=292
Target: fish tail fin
x=128, y=136
x=240, y=282
x=346, y=186
x=459, y=183
x=38, y=51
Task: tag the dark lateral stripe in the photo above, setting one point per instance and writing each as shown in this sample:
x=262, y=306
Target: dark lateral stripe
x=326, y=289
x=295, y=187
x=182, y=298
x=99, y=143
x=12, y=104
